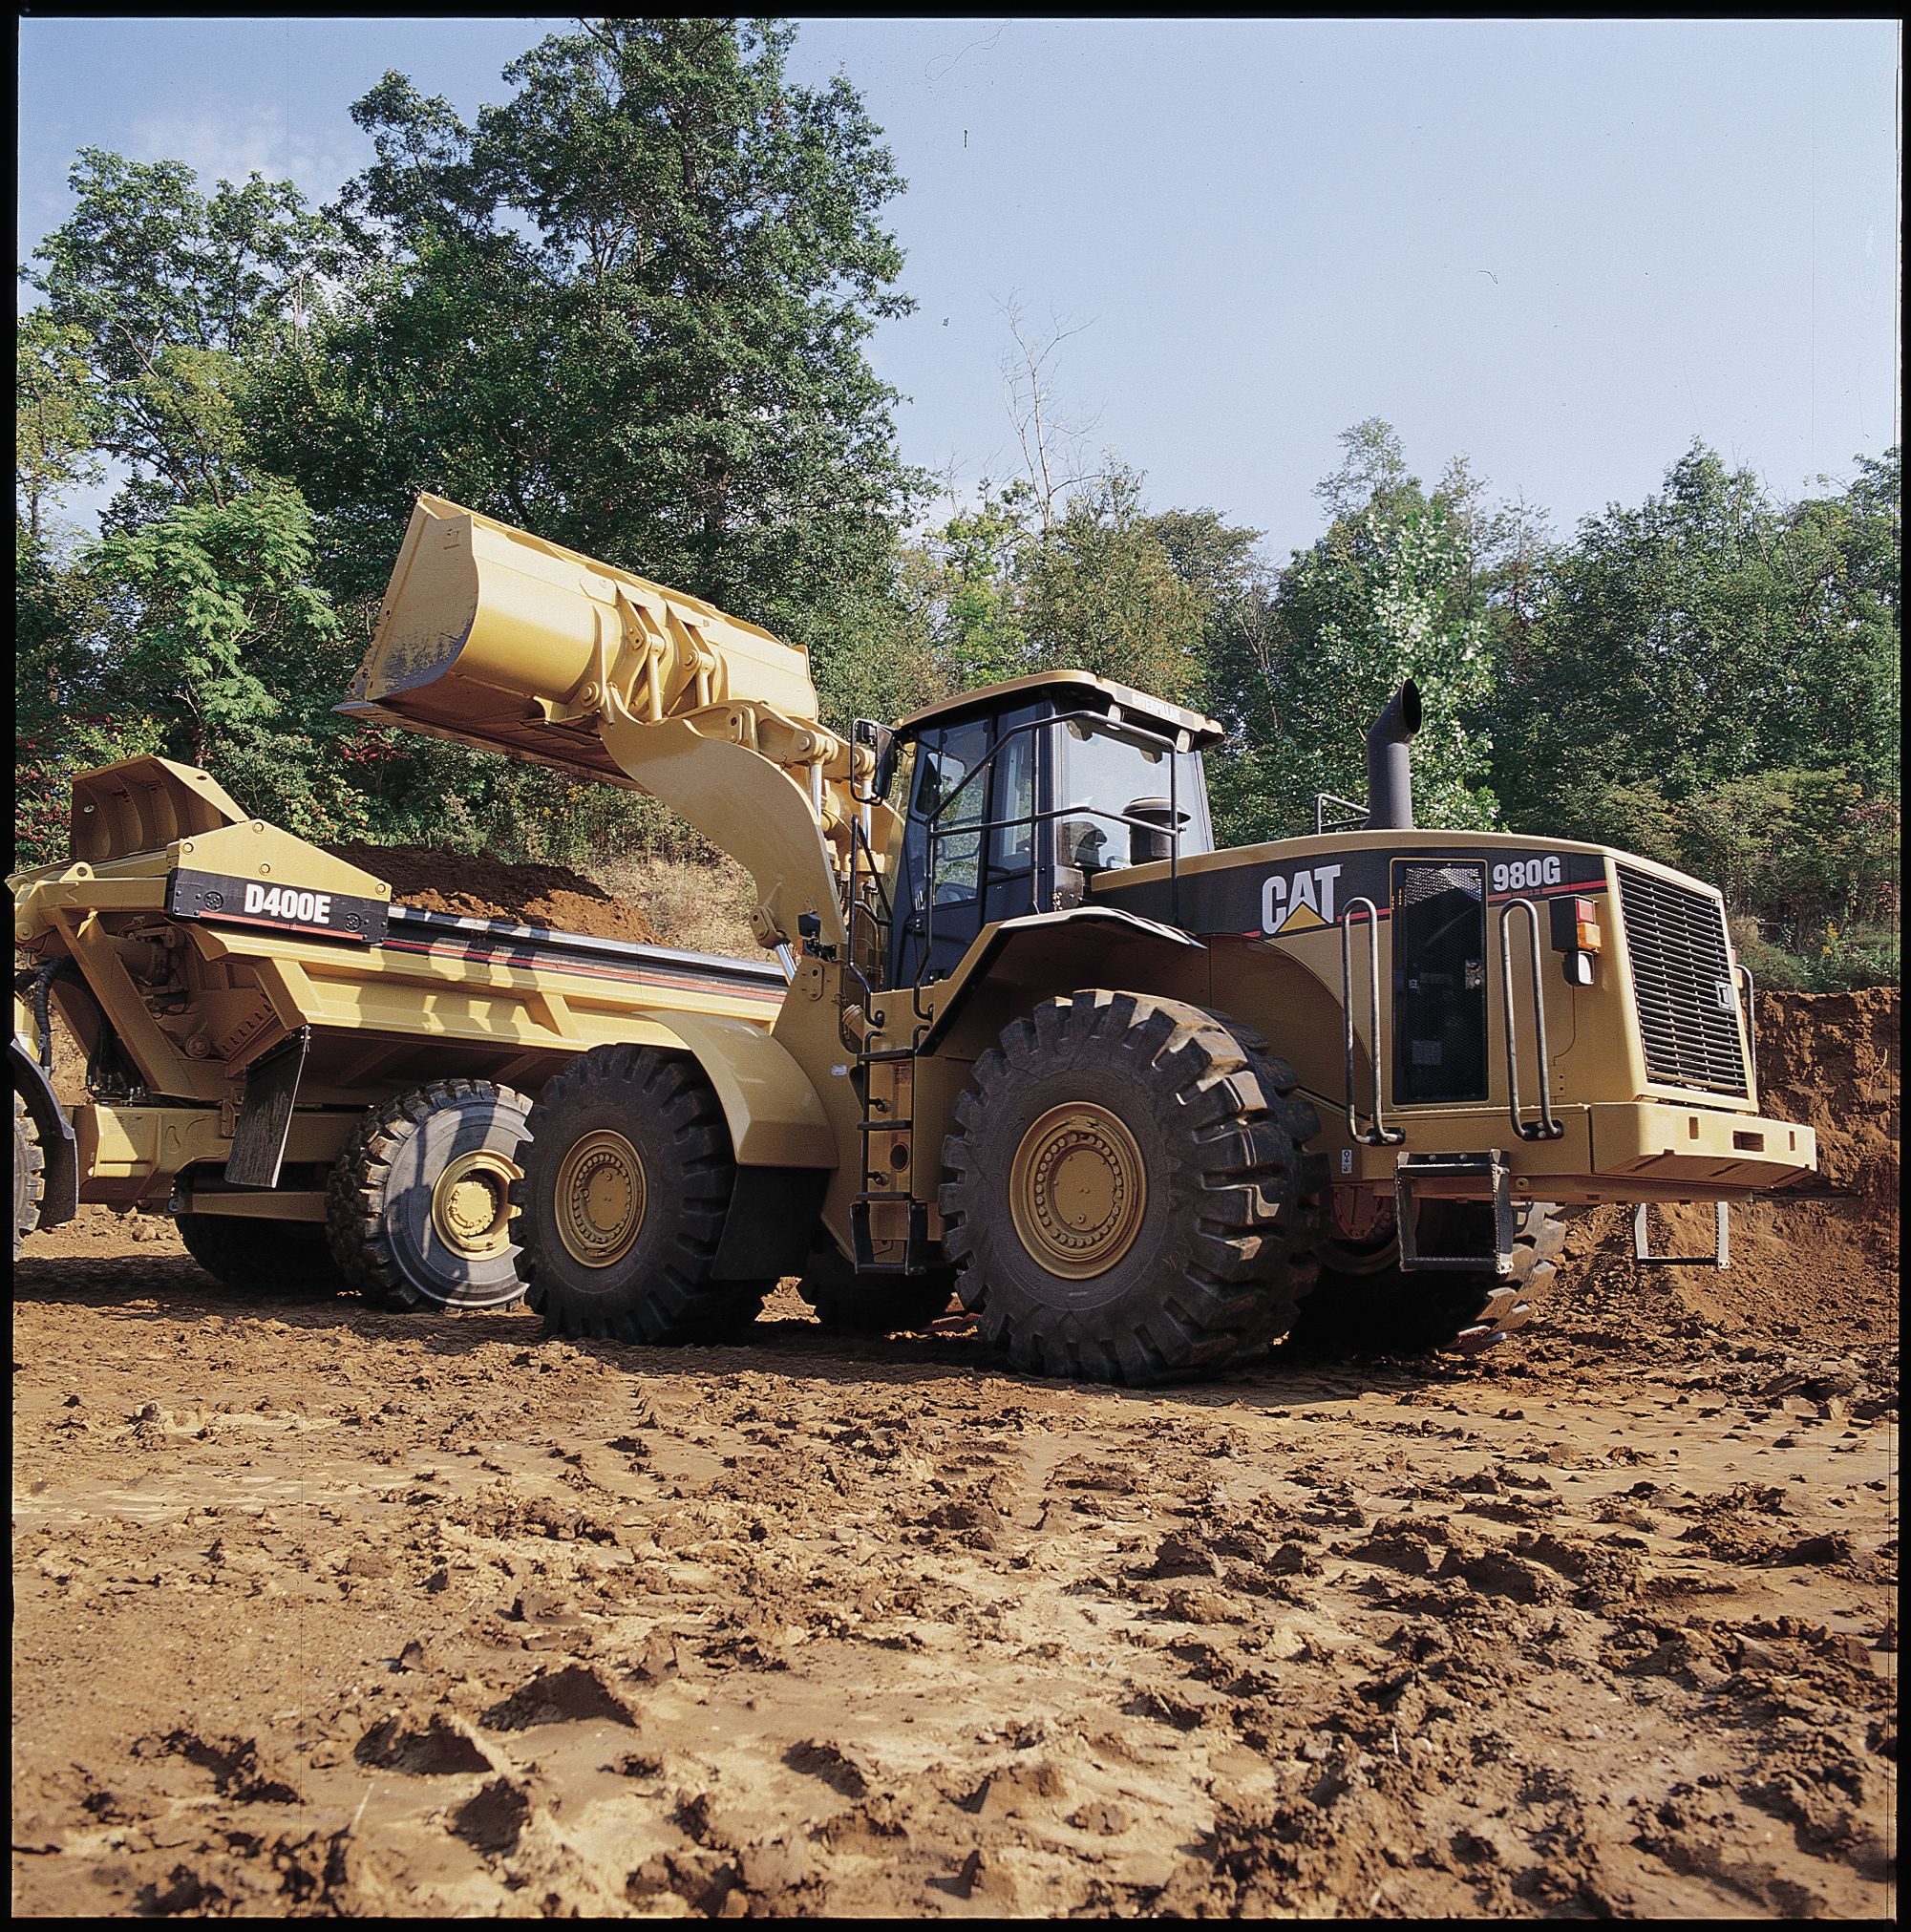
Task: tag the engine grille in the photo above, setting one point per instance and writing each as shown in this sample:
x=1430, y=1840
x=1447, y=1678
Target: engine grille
x=1676, y=942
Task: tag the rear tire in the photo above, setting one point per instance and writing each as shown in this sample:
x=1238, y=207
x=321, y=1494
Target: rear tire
x=1366, y=1303
x=259, y=1256
x=29, y=1174
x=627, y=1185
x=417, y=1207
x=849, y=1304
x=1127, y=1193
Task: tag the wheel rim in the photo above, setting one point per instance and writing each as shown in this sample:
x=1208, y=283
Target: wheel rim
x=1077, y=1189
x=600, y=1199
x=470, y=1203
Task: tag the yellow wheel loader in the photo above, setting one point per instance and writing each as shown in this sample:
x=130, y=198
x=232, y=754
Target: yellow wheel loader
x=1147, y=1106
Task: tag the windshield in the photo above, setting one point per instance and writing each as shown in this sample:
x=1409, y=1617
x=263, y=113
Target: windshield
x=1108, y=774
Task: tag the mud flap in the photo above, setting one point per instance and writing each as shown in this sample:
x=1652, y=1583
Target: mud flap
x=771, y=1224
x=265, y=1114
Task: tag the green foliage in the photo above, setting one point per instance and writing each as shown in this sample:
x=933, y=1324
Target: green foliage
x=626, y=310
x=57, y=418
x=199, y=634
x=162, y=297
x=1103, y=594
x=1390, y=591
x=973, y=574
x=1707, y=635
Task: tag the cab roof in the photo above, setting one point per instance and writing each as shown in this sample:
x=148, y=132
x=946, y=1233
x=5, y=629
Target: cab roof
x=1073, y=690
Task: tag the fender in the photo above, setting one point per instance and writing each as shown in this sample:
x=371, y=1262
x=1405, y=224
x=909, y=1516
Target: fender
x=772, y=1110
x=59, y=1199
x=1091, y=929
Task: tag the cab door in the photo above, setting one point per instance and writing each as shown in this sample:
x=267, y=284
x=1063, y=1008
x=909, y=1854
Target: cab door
x=975, y=840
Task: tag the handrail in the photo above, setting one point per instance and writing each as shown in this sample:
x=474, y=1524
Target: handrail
x=1545, y=1128
x=1357, y=812
x=1748, y=999
x=1379, y=1135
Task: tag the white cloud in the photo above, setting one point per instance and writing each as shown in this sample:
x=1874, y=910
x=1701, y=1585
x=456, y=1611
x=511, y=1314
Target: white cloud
x=229, y=146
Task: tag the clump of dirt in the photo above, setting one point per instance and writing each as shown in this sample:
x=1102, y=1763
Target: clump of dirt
x=479, y=887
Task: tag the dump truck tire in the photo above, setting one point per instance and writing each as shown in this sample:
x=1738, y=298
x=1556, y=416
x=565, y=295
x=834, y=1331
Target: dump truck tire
x=1128, y=1193
x=417, y=1207
x=849, y=1304
x=259, y=1256
x=628, y=1180
x=1366, y=1303
x=29, y=1174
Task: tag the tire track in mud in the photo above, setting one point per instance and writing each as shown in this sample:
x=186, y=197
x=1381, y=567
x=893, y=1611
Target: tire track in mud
x=320, y=1612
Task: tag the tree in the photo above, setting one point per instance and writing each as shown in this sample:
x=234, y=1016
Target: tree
x=1706, y=636
x=1391, y=591
x=204, y=634
x=1104, y=596
x=627, y=309
x=156, y=296
x=1054, y=443
x=57, y=418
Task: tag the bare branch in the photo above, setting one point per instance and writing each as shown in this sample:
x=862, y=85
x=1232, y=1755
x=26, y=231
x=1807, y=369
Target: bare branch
x=1054, y=448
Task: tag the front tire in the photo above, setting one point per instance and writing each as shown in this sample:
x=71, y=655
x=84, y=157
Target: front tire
x=1128, y=1194
x=417, y=1206
x=627, y=1186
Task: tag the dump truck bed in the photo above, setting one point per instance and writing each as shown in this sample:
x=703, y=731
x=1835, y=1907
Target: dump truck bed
x=191, y=950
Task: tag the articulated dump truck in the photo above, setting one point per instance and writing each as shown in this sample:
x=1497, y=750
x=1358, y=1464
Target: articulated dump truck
x=1145, y=1105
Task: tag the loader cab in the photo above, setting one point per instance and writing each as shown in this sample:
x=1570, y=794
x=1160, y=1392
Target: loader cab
x=1014, y=799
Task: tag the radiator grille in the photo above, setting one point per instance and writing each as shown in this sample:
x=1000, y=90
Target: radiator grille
x=1683, y=985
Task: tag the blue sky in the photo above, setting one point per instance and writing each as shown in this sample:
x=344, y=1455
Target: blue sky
x=1564, y=249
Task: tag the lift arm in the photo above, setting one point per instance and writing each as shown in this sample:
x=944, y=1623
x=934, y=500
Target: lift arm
x=492, y=637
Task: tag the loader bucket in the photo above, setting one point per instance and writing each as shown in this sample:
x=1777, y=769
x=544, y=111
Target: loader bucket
x=496, y=638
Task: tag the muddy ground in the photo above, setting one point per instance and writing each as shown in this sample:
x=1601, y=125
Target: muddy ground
x=320, y=1611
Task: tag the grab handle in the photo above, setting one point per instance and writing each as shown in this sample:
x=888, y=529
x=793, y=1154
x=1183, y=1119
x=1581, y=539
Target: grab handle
x=1545, y=1128
x=1379, y=1135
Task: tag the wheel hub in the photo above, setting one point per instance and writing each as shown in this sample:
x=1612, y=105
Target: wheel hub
x=470, y=1203
x=601, y=1197
x=1077, y=1190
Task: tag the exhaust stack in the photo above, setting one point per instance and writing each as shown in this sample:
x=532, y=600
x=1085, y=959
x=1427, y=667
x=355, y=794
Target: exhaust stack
x=1390, y=762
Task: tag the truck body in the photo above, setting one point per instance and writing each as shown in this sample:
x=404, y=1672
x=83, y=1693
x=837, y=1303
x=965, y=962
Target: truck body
x=243, y=999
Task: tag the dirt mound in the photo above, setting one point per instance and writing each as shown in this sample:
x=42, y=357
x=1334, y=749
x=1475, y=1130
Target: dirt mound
x=1815, y=1269
x=478, y=886
x=1830, y=1060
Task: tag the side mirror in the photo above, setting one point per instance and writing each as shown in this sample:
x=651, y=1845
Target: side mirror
x=881, y=740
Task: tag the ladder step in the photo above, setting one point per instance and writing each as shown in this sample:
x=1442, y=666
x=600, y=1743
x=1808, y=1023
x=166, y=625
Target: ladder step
x=1450, y=1164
